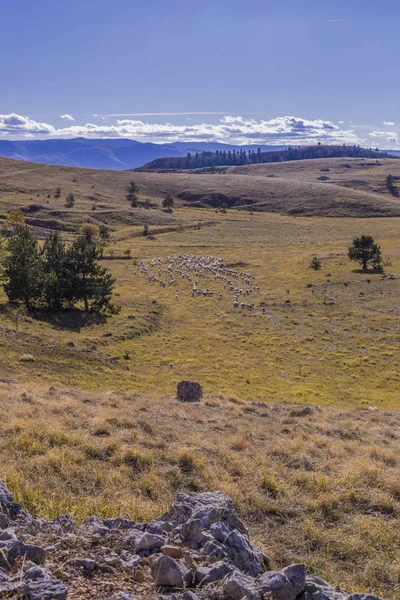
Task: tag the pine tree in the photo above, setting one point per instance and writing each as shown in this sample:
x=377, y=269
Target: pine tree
x=91, y=283
x=365, y=251
x=23, y=271
x=168, y=202
x=56, y=290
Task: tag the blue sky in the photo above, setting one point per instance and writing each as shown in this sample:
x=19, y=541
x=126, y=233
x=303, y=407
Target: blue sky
x=224, y=70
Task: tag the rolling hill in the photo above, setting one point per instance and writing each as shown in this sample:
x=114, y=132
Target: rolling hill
x=321, y=187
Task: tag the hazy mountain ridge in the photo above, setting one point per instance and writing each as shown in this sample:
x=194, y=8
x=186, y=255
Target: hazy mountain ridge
x=114, y=154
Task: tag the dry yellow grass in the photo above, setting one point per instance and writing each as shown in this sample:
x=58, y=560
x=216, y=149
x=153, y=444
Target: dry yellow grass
x=294, y=189
x=318, y=486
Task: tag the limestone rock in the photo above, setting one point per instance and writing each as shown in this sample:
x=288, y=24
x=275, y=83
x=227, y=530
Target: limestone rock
x=168, y=572
x=238, y=586
x=213, y=573
x=45, y=590
x=276, y=586
x=296, y=574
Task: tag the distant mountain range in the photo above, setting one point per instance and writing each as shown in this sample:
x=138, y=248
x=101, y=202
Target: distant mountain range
x=114, y=154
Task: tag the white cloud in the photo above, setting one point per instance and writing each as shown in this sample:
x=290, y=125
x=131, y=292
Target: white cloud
x=389, y=136
x=231, y=129
x=13, y=124
x=67, y=117
x=389, y=123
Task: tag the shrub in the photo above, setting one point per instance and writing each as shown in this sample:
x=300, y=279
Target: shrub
x=315, y=263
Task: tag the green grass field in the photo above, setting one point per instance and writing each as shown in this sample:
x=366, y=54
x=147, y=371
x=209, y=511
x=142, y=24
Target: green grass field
x=308, y=352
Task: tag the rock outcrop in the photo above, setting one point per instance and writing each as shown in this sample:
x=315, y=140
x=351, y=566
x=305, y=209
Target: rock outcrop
x=189, y=391
x=198, y=550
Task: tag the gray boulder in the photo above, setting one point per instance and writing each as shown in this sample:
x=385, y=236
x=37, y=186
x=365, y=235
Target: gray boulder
x=130, y=562
x=238, y=586
x=189, y=391
x=168, y=572
x=296, y=574
x=12, y=549
x=37, y=573
x=213, y=573
x=276, y=586
x=192, y=533
x=214, y=549
x=219, y=531
x=209, y=507
x=148, y=542
x=318, y=589
x=45, y=590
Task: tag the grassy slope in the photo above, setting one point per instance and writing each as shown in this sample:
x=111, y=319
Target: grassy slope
x=26, y=183
x=321, y=488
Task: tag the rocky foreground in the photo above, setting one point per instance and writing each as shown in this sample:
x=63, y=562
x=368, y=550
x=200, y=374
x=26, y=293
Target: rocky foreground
x=198, y=550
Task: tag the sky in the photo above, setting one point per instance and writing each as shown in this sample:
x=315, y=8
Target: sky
x=258, y=71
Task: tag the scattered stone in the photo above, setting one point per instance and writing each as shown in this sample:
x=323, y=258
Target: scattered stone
x=189, y=391
x=37, y=573
x=45, y=590
x=276, y=586
x=216, y=572
x=238, y=586
x=168, y=572
x=87, y=564
x=12, y=549
x=296, y=574
x=200, y=541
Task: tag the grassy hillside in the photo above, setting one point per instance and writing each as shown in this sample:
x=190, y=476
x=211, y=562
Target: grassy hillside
x=290, y=191
x=314, y=486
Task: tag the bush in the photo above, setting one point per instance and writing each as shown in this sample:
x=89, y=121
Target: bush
x=315, y=263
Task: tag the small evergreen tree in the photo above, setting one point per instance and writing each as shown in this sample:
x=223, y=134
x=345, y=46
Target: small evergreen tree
x=90, y=232
x=22, y=268
x=315, y=263
x=365, y=251
x=132, y=190
x=89, y=282
x=56, y=290
x=70, y=200
x=168, y=202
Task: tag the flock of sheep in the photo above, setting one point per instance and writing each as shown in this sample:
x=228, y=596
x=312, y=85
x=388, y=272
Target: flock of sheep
x=195, y=269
